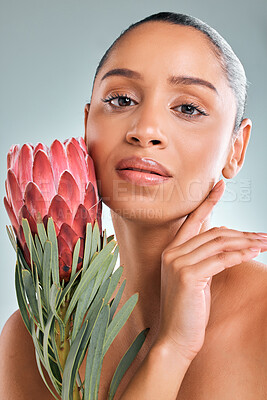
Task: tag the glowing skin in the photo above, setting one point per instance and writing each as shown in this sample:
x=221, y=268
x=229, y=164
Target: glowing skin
x=154, y=124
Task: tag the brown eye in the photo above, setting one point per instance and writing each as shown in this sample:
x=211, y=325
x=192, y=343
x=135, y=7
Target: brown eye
x=188, y=109
x=123, y=101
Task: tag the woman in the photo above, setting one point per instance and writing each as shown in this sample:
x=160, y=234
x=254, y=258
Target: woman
x=171, y=90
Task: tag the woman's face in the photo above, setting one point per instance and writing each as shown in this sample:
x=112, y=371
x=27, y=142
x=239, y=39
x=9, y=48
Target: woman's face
x=186, y=126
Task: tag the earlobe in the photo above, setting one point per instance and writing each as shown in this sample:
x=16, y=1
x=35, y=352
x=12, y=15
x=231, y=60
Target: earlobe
x=238, y=149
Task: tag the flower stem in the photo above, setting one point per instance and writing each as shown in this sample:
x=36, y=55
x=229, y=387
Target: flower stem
x=64, y=348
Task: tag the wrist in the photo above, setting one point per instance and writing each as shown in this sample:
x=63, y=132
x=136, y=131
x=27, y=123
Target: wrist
x=167, y=350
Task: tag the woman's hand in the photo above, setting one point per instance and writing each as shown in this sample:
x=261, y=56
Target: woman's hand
x=188, y=264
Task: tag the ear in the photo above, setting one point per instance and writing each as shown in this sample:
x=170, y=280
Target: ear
x=237, y=151
x=86, y=112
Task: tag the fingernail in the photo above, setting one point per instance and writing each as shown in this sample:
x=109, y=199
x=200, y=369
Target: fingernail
x=254, y=249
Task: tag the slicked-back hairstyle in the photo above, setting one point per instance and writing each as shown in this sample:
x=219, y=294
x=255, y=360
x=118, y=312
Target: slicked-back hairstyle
x=230, y=63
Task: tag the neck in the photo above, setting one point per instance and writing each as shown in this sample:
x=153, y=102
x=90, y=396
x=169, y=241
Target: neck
x=140, y=248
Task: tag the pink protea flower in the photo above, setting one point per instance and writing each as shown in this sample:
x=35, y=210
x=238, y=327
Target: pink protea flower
x=57, y=182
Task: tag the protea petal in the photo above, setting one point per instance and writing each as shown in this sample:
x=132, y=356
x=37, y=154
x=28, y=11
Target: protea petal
x=68, y=234
x=40, y=146
x=25, y=166
x=69, y=190
x=12, y=155
x=82, y=145
x=58, y=159
x=99, y=215
x=91, y=172
x=76, y=143
x=77, y=164
x=59, y=211
x=62, y=245
x=80, y=220
x=90, y=201
x=21, y=237
x=65, y=263
x=24, y=213
x=76, y=167
x=43, y=176
x=26, y=254
x=45, y=220
x=11, y=214
x=34, y=200
x=13, y=192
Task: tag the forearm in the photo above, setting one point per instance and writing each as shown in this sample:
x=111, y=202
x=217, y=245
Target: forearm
x=159, y=376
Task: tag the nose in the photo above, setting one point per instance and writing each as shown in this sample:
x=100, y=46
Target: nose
x=146, y=130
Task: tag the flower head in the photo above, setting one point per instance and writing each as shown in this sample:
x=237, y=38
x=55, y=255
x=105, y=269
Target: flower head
x=59, y=182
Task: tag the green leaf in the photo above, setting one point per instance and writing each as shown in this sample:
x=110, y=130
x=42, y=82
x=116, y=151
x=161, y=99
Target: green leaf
x=11, y=237
x=112, y=264
x=126, y=361
x=82, y=307
x=54, y=345
x=39, y=300
x=39, y=359
x=100, y=297
x=95, y=243
x=87, y=247
x=30, y=291
x=31, y=245
x=55, y=380
x=104, y=237
x=42, y=233
x=111, y=237
x=89, y=274
x=42, y=374
x=119, y=320
x=105, y=291
x=116, y=301
x=75, y=258
x=47, y=259
x=20, y=271
x=39, y=249
x=53, y=239
x=22, y=260
x=54, y=298
x=76, y=354
x=68, y=287
x=95, y=355
x=21, y=298
x=99, y=278
x=114, y=280
x=40, y=336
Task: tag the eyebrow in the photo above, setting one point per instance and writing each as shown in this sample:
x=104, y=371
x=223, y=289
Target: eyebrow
x=172, y=80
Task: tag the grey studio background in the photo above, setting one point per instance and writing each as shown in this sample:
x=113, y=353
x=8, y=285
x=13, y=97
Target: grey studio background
x=49, y=53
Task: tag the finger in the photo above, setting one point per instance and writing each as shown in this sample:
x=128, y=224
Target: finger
x=191, y=226
x=217, y=263
x=218, y=245
x=216, y=234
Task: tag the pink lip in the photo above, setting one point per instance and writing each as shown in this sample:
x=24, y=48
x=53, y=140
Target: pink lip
x=144, y=164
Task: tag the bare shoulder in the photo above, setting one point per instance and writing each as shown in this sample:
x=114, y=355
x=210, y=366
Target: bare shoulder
x=251, y=278
x=19, y=375
x=250, y=285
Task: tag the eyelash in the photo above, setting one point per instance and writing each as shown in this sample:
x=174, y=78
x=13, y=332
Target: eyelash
x=117, y=95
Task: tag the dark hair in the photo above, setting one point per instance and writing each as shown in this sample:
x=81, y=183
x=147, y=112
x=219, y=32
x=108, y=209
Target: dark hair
x=229, y=62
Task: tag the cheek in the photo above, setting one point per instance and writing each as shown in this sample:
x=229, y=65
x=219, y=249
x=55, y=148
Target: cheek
x=201, y=162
